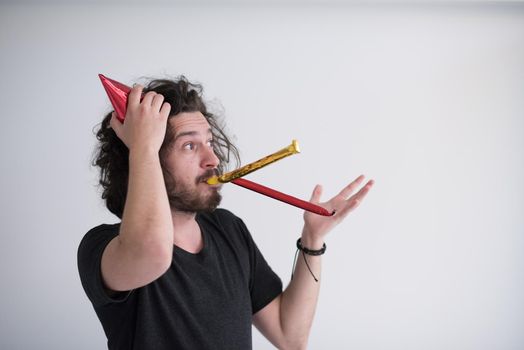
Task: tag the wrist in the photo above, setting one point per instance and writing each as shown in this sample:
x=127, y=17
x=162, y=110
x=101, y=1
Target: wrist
x=310, y=241
x=309, y=251
x=143, y=153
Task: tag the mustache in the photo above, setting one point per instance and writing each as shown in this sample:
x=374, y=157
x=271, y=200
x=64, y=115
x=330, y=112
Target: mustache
x=206, y=175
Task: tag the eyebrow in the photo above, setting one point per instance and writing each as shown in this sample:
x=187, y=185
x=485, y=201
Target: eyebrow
x=189, y=133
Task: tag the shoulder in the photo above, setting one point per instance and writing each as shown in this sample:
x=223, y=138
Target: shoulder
x=89, y=259
x=99, y=235
x=103, y=228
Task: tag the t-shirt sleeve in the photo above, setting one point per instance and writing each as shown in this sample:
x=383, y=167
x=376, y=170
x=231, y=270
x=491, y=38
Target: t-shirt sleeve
x=264, y=283
x=89, y=265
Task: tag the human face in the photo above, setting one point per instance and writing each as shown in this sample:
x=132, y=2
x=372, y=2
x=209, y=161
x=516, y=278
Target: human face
x=189, y=163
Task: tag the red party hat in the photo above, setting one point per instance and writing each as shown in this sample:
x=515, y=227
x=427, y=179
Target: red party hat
x=117, y=93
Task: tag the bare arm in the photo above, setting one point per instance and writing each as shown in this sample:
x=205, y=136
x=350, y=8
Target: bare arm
x=142, y=251
x=287, y=320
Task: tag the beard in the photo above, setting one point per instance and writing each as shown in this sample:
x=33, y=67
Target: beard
x=185, y=198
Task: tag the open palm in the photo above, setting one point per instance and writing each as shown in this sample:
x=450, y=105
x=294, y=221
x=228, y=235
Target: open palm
x=317, y=226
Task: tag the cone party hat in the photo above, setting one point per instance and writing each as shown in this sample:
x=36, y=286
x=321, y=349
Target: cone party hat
x=117, y=93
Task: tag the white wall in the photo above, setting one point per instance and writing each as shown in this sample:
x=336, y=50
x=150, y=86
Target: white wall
x=426, y=99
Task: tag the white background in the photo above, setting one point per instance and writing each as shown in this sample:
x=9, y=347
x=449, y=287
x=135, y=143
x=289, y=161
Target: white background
x=427, y=99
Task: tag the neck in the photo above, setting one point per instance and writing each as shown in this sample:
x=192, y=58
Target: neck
x=186, y=232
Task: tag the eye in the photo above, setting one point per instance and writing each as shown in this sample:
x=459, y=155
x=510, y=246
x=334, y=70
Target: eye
x=189, y=146
x=210, y=143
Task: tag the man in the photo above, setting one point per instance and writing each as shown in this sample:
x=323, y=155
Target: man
x=177, y=273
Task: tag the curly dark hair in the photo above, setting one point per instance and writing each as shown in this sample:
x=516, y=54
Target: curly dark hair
x=112, y=155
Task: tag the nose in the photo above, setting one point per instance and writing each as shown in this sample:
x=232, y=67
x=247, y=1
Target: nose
x=209, y=158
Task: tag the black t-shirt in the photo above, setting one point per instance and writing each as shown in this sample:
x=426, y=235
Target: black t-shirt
x=203, y=301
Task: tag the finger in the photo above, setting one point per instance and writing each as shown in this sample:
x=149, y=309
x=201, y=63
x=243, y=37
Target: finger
x=363, y=191
x=349, y=189
x=148, y=98
x=157, y=102
x=355, y=200
x=315, y=196
x=134, y=95
x=165, y=110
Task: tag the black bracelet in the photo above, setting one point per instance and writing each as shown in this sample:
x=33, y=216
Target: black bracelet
x=310, y=251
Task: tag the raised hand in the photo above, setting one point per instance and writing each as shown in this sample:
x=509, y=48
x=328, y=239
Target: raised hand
x=145, y=123
x=316, y=227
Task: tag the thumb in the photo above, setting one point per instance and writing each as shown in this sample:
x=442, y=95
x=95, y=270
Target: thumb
x=117, y=126
x=315, y=196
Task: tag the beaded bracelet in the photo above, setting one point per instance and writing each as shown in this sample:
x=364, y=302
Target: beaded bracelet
x=308, y=252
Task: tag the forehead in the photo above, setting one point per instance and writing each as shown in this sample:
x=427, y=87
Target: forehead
x=193, y=122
